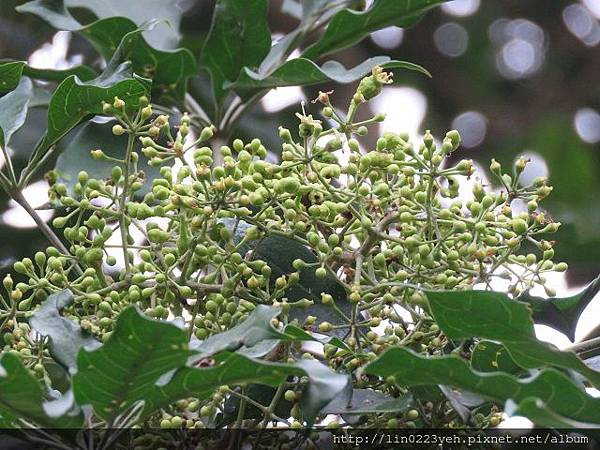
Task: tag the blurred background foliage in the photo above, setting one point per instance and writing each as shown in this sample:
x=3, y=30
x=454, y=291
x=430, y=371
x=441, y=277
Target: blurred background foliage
x=514, y=76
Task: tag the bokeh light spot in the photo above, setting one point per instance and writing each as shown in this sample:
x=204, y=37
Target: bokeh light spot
x=461, y=8
x=520, y=47
x=582, y=24
x=587, y=125
x=405, y=109
x=451, y=39
x=472, y=126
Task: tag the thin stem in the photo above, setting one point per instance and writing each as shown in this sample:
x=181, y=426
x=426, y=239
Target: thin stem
x=123, y=200
x=9, y=164
x=590, y=347
x=18, y=197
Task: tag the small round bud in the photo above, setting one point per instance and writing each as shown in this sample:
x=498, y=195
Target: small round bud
x=325, y=327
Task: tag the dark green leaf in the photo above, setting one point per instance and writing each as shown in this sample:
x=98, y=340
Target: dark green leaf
x=74, y=99
x=349, y=27
x=84, y=73
x=232, y=369
x=368, y=401
x=309, y=286
x=121, y=38
x=75, y=155
x=538, y=412
x=169, y=70
x=239, y=37
x=495, y=316
x=13, y=109
x=65, y=337
x=488, y=356
x=561, y=394
x=168, y=11
x=301, y=71
x=22, y=397
x=10, y=75
x=126, y=368
x=562, y=313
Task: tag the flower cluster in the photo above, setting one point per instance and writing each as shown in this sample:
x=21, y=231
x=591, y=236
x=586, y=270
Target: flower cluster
x=382, y=224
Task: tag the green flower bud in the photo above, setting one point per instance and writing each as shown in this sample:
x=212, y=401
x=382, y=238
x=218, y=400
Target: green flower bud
x=8, y=283
x=519, y=226
x=321, y=272
x=98, y=155
x=325, y=327
x=454, y=137
x=206, y=133
x=372, y=85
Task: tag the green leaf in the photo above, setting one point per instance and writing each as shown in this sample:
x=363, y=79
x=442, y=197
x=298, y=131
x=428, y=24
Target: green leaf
x=256, y=328
x=22, y=397
x=561, y=394
x=83, y=72
x=294, y=333
x=488, y=356
x=562, y=313
x=239, y=37
x=169, y=70
x=74, y=156
x=65, y=337
x=538, y=412
x=494, y=316
x=126, y=368
x=302, y=71
x=168, y=11
x=348, y=27
x=10, y=75
x=123, y=38
x=309, y=286
x=232, y=369
x=368, y=401
x=73, y=99
x=139, y=362
x=13, y=109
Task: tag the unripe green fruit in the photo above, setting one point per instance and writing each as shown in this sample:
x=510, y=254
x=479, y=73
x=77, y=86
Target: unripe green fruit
x=321, y=272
